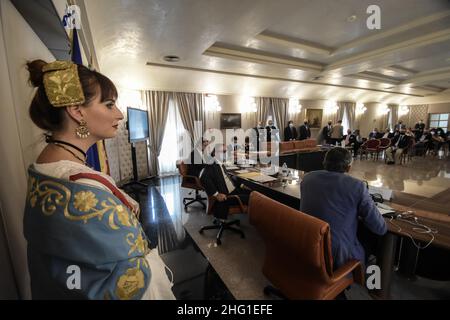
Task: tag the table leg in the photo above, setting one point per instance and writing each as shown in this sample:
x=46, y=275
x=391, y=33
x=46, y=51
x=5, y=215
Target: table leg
x=386, y=263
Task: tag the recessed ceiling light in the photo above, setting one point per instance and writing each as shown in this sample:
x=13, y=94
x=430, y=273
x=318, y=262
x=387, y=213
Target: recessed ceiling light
x=171, y=58
x=352, y=18
x=317, y=78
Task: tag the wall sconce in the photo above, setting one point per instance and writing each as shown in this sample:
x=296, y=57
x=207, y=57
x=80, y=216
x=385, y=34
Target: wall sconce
x=212, y=103
x=403, y=110
x=294, y=106
x=383, y=110
x=248, y=105
x=331, y=107
x=360, y=108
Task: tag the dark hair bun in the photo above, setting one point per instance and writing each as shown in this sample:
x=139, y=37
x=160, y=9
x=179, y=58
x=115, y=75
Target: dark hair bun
x=35, y=70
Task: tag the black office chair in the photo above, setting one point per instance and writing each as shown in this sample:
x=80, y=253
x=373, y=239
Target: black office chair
x=190, y=182
x=221, y=224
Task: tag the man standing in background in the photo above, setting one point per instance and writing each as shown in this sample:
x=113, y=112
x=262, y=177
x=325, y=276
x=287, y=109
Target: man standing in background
x=290, y=133
x=305, y=132
x=337, y=133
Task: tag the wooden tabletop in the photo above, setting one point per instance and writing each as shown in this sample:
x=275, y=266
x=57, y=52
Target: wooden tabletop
x=439, y=224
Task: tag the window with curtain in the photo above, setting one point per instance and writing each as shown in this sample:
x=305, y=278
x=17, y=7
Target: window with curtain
x=439, y=120
x=171, y=148
x=345, y=122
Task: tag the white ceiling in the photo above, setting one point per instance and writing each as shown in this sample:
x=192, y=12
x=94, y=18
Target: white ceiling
x=233, y=47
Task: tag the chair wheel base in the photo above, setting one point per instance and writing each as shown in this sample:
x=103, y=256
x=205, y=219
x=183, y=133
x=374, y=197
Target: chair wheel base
x=219, y=242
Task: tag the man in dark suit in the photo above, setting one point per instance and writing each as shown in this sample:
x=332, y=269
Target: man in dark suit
x=217, y=183
x=271, y=130
x=290, y=133
x=305, y=132
x=339, y=207
x=398, y=143
x=260, y=134
x=418, y=129
x=399, y=126
x=387, y=134
x=326, y=132
x=349, y=138
x=375, y=134
x=196, y=161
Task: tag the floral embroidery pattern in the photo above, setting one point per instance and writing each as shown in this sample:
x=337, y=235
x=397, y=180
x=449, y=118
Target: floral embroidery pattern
x=50, y=195
x=62, y=85
x=85, y=201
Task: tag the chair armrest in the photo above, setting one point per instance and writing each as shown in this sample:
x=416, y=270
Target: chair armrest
x=196, y=179
x=353, y=266
x=239, y=201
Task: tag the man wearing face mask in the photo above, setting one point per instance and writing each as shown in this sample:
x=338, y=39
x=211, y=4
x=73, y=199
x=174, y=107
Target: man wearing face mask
x=305, y=132
x=398, y=143
x=326, y=132
x=218, y=184
x=260, y=135
x=269, y=128
x=290, y=133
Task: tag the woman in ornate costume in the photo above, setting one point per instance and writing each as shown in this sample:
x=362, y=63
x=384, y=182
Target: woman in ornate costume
x=84, y=238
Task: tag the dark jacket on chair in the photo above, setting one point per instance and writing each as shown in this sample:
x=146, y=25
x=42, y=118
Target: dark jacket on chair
x=345, y=201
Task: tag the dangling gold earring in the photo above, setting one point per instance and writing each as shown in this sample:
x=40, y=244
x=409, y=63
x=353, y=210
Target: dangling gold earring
x=82, y=131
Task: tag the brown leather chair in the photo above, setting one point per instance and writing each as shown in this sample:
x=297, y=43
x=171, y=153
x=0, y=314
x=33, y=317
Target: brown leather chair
x=223, y=225
x=190, y=182
x=298, y=259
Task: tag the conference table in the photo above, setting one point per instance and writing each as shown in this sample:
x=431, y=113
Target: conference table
x=286, y=189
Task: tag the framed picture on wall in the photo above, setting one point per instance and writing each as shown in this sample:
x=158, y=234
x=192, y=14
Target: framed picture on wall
x=230, y=121
x=315, y=117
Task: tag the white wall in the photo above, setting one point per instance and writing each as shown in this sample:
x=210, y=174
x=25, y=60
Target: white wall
x=19, y=137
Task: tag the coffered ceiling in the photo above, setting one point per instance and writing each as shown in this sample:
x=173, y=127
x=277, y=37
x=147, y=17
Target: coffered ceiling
x=318, y=49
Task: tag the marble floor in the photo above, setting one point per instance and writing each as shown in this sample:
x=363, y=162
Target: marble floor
x=203, y=270
x=420, y=183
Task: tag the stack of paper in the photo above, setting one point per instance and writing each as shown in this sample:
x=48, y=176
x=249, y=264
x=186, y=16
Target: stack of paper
x=385, y=192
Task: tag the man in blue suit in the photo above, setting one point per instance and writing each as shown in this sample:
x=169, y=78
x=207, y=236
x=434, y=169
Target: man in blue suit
x=341, y=200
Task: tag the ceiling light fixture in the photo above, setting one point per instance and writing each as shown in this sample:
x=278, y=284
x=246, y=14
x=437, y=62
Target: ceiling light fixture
x=171, y=58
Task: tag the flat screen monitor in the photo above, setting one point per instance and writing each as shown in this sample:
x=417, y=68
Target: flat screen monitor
x=137, y=124
x=230, y=121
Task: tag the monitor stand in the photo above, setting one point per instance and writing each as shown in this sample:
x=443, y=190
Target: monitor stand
x=135, y=184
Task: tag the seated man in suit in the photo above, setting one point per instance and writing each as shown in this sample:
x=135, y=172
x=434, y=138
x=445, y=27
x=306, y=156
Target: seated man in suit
x=398, y=143
x=217, y=183
x=388, y=134
x=196, y=161
x=344, y=202
x=375, y=134
x=349, y=138
x=305, y=132
x=423, y=142
x=290, y=133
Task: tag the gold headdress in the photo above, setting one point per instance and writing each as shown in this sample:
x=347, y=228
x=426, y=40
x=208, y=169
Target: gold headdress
x=62, y=84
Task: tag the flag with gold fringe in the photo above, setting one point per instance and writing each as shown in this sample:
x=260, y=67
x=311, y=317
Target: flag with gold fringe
x=96, y=155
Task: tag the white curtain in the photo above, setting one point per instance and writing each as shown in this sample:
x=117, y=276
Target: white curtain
x=345, y=121
x=171, y=146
